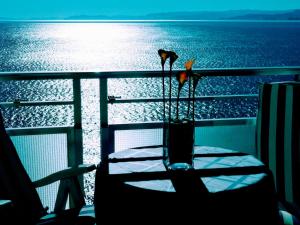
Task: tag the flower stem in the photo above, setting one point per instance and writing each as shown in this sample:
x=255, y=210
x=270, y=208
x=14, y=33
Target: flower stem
x=188, y=110
x=194, y=105
x=164, y=106
x=177, y=106
x=170, y=93
x=164, y=102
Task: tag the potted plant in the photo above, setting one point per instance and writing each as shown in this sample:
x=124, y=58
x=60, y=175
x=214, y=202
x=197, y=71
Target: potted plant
x=178, y=131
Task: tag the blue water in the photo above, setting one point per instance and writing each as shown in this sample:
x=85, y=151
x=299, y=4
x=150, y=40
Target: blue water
x=133, y=46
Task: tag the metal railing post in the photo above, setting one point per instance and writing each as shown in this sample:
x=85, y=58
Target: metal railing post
x=77, y=155
x=104, y=130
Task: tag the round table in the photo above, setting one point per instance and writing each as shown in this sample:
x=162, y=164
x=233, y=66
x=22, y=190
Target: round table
x=224, y=186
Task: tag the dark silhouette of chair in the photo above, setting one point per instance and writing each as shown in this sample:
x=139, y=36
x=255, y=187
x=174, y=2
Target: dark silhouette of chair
x=24, y=205
x=278, y=139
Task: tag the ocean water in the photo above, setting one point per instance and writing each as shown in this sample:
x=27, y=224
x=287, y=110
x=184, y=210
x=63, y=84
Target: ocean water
x=131, y=46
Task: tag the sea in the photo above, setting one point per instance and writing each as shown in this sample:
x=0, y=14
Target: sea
x=27, y=46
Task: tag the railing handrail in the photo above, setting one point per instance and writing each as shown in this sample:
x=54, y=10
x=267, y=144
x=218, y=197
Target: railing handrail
x=246, y=71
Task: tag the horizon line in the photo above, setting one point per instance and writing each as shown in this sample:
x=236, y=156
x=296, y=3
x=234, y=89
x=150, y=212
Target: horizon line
x=9, y=18
x=146, y=20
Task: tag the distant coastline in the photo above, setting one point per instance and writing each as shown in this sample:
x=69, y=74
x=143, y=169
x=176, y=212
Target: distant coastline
x=150, y=21
x=231, y=15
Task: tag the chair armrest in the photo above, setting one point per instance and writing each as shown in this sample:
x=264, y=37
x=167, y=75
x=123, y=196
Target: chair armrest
x=64, y=174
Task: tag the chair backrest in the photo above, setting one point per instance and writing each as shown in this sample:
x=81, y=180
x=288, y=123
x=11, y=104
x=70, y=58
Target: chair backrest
x=278, y=136
x=15, y=183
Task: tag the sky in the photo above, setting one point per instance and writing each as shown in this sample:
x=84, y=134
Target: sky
x=64, y=8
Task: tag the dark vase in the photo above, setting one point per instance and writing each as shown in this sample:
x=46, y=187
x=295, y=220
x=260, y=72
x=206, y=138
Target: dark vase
x=178, y=142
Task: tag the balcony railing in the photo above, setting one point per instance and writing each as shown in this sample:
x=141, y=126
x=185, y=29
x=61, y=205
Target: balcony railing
x=108, y=131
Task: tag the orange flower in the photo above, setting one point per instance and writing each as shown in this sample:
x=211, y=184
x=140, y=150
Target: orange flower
x=188, y=65
x=173, y=57
x=164, y=55
x=182, y=77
